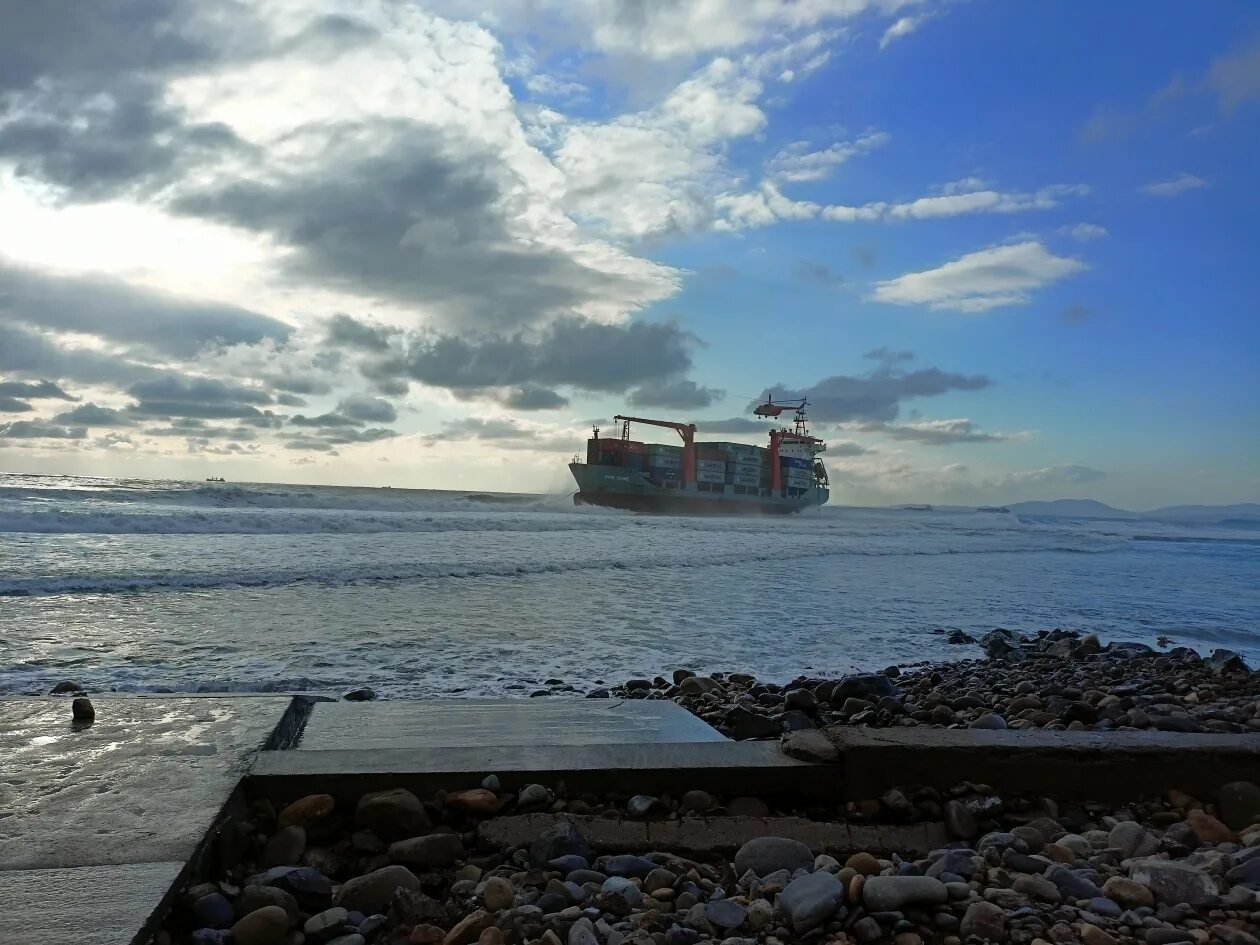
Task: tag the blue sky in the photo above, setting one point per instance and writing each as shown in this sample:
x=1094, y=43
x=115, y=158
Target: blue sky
x=424, y=244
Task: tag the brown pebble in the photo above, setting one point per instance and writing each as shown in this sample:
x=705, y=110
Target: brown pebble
x=864, y=863
x=474, y=801
x=468, y=928
x=426, y=935
x=265, y=926
x=855, y=889
x=306, y=810
x=490, y=936
x=1207, y=829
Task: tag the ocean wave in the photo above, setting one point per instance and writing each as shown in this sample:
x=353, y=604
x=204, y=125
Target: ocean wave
x=296, y=522
x=343, y=574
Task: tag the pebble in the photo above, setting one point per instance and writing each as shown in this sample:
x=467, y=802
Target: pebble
x=892, y=893
x=533, y=796
x=428, y=852
x=373, y=892
x=765, y=855
x=391, y=815
x=214, y=911
x=286, y=846
x=810, y=900
x=498, y=894
x=306, y=811
x=1173, y=882
x=983, y=921
x=322, y=924
x=266, y=926
x=725, y=914
x=82, y=709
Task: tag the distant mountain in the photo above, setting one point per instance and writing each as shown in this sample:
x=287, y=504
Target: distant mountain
x=1240, y=513
x=1071, y=508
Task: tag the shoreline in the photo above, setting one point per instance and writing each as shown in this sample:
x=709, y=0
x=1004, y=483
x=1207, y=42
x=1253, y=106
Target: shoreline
x=1056, y=680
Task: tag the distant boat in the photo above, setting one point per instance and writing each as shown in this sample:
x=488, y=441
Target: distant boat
x=215, y=479
x=917, y=507
x=993, y=508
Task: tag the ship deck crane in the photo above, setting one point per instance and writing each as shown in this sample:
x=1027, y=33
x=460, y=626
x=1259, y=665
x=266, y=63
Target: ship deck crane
x=685, y=430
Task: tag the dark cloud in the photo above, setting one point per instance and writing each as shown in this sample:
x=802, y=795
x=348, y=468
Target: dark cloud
x=186, y=389
x=421, y=220
x=531, y=397
x=115, y=311
x=933, y=432
x=25, y=351
x=323, y=420
x=200, y=431
x=290, y=400
x=680, y=394
x=307, y=443
x=505, y=433
x=349, y=332
x=877, y=396
x=572, y=351
x=92, y=415
x=83, y=90
x=866, y=256
x=366, y=409
x=847, y=448
x=818, y=273
x=34, y=429
x=889, y=355
x=36, y=390
x=13, y=405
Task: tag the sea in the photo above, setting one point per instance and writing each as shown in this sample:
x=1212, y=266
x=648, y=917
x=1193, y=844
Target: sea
x=143, y=586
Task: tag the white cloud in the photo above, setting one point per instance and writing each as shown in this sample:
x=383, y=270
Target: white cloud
x=923, y=208
x=979, y=281
x=1084, y=232
x=797, y=163
x=1171, y=188
x=902, y=27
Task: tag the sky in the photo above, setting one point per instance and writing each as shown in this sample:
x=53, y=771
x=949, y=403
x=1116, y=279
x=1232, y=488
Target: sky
x=1006, y=250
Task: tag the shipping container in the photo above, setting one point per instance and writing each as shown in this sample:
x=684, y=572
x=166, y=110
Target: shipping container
x=652, y=459
x=663, y=474
x=661, y=448
x=741, y=480
x=710, y=465
x=710, y=476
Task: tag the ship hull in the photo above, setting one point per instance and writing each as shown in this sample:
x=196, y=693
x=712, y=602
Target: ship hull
x=620, y=488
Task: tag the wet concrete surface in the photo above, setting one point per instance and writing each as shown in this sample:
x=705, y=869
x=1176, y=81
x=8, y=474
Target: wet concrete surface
x=91, y=905
x=141, y=784
x=469, y=723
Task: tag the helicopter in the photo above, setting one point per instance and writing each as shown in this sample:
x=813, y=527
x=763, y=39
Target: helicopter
x=774, y=408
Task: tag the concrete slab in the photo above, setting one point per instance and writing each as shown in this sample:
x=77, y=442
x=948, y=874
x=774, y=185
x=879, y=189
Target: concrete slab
x=92, y=905
x=725, y=767
x=465, y=723
x=701, y=835
x=1079, y=765
x=142, y=784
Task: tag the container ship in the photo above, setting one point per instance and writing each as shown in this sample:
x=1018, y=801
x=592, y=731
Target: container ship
x=697, y=478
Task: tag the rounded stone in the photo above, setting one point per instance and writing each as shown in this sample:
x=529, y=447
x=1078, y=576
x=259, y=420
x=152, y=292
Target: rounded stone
x=266, y=926
x=286, y=846
x=498, y=893
x=82, y=709
x=765, y=855
x=433, y=851
x=373, y=892
x=306, y=810
x=984, y=921
x=391, y=814
x=892, y=893
x=864, y=863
